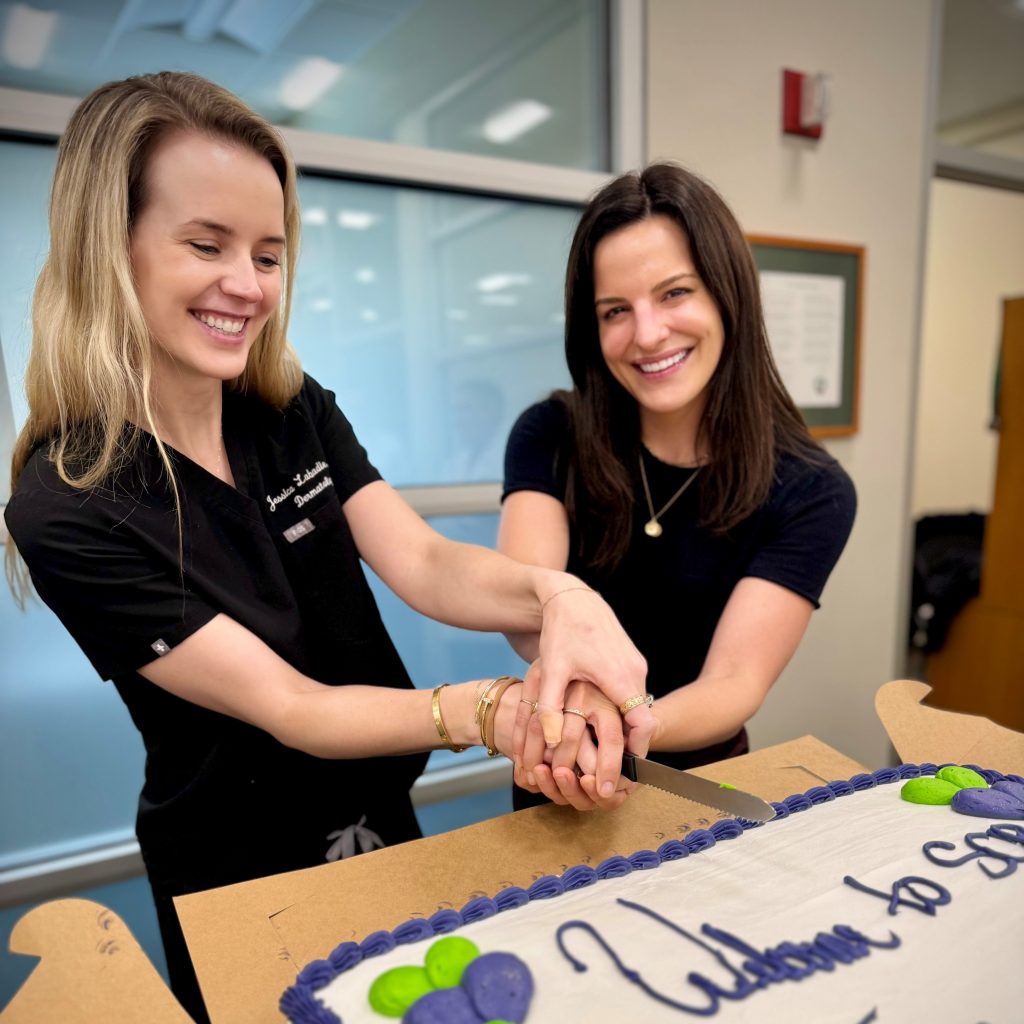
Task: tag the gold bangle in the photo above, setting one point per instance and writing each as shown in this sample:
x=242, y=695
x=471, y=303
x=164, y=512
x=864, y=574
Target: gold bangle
x=565, y=590
x=635, y=701
x=502, y=683
x=435, y=706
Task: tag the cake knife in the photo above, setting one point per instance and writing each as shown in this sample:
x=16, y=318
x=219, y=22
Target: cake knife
x=693, y=787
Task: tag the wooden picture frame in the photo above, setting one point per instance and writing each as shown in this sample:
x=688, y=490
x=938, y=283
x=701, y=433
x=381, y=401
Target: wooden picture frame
x=819, y=357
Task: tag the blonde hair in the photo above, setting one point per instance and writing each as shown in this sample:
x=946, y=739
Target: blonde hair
x=89, y=373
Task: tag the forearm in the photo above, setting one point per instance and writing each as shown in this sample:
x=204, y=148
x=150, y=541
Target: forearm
x=709, y=710
x=348, y=722
x=476, y=588
x=526, y=645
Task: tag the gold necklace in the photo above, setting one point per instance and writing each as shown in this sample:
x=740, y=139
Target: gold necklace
x=652, y=527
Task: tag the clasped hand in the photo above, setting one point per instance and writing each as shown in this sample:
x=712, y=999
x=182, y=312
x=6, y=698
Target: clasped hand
x=593, y=738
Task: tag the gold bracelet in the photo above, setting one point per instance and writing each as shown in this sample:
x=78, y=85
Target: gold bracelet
x=502, y=683
x=482, y=701
x=566, y=590
x=435, y=706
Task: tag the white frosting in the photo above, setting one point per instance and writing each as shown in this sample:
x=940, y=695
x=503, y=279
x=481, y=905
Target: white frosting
x=783, y=882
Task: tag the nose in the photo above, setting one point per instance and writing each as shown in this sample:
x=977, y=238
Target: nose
x=650, y=327
x=241, y=281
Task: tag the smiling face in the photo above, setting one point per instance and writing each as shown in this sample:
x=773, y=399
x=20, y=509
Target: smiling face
x=660, y=330
x=206, y=253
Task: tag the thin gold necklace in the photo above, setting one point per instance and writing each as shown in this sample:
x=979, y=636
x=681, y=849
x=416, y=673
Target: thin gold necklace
x=652, y=527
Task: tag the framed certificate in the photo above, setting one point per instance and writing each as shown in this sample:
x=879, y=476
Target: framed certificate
x=811, y=293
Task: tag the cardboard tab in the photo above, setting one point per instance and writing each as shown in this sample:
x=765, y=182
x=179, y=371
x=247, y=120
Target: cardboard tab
x=921, y=734
x=90, y=969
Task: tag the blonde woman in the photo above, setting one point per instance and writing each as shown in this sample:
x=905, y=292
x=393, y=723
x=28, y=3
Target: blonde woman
x=194, y=509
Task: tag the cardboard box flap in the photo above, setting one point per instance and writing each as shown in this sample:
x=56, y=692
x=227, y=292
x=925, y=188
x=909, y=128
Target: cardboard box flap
x=90, y=969
x=921, y=734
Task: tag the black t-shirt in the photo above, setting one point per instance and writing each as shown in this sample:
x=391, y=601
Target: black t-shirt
x=669, y=592
x=223, y=801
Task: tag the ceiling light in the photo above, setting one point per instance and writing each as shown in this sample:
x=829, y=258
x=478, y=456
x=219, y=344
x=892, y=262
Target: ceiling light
x=27, y=35
x=307, y=82
x=356, y=220
x=366, y=275
x=369, y=315
x=314, y=216
x=499, y=299
x=321, y=305
x=514, y=120
x=495, y=282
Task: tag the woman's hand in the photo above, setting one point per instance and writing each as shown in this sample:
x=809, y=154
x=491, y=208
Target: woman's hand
x=581, y=639
x=568, y=773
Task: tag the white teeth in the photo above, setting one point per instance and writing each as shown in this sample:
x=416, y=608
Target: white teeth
x=663, y=364
x=220, y=324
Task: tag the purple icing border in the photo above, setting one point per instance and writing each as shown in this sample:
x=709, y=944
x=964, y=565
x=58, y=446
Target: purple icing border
x=301, y=1006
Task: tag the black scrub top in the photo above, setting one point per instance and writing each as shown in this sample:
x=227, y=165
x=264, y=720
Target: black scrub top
x=223, y=801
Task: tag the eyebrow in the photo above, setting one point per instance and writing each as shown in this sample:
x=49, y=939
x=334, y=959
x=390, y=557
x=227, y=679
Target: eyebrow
x=223, y=229
x=656, y=288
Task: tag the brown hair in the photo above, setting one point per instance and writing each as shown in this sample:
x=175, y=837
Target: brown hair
x=749, y=417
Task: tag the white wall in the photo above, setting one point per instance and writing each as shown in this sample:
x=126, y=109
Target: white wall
x=714, y=91
x=975, y=259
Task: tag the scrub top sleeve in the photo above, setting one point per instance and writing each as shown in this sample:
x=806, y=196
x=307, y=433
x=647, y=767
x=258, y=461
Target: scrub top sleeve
x=810, y=527
x=351, y=468
x=532, y=453
x=122, y=607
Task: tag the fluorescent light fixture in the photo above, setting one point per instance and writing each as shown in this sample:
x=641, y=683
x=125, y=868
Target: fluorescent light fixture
x=314, y=216
x=499, y=299
x=369, y=315
x=27, y=36
x=323, y=305
x=307, y=82
x=366, y=275
x=516, y=119
x=356, y=220
x=496, y=282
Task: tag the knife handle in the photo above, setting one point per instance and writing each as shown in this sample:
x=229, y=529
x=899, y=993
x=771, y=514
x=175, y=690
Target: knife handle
x=629, y=766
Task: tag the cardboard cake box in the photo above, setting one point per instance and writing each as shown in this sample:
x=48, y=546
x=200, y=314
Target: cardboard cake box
x=249, y=941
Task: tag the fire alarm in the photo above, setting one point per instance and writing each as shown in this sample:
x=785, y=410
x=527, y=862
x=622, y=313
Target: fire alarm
x=805, y=100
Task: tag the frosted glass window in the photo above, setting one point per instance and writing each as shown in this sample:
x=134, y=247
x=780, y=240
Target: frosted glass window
x=435, y=318
x=526, y=80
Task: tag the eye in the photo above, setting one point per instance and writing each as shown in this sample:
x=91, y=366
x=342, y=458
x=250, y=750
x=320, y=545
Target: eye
x=611, y=314
x=206, y=250
x=268, y=262
x=676, y=293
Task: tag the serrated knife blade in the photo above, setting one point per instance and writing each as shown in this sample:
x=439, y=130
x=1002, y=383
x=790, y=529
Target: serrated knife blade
x=693, y=787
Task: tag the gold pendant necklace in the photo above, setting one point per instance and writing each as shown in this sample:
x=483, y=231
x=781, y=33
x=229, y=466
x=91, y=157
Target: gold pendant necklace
x=652, y=527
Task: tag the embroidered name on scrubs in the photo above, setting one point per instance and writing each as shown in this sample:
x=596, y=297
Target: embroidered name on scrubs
x=302, y=478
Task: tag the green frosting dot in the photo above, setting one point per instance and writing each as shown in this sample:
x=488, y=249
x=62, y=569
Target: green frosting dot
x=725, y=785
x=396, y=990
x=447, y=959
x=928, y=791
x=962, y=778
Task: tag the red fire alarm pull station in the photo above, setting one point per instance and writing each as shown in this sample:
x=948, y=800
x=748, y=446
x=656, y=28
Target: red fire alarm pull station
x=804, y=103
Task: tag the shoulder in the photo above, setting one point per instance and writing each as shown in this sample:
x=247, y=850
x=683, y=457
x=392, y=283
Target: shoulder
x=823, y=484
x=546, y=421
x=46, y=512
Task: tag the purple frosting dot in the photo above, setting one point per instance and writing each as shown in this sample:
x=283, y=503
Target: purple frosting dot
x=500, y=986
x=988, y=803
x=442, y=1006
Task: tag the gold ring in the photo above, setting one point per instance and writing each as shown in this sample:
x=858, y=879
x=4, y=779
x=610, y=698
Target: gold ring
x=635, y=701
x=532, y=703
x=575, y=711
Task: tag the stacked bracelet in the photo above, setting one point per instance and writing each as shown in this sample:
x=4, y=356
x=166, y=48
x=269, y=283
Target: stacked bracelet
x=435, y=706
x=486, y=707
